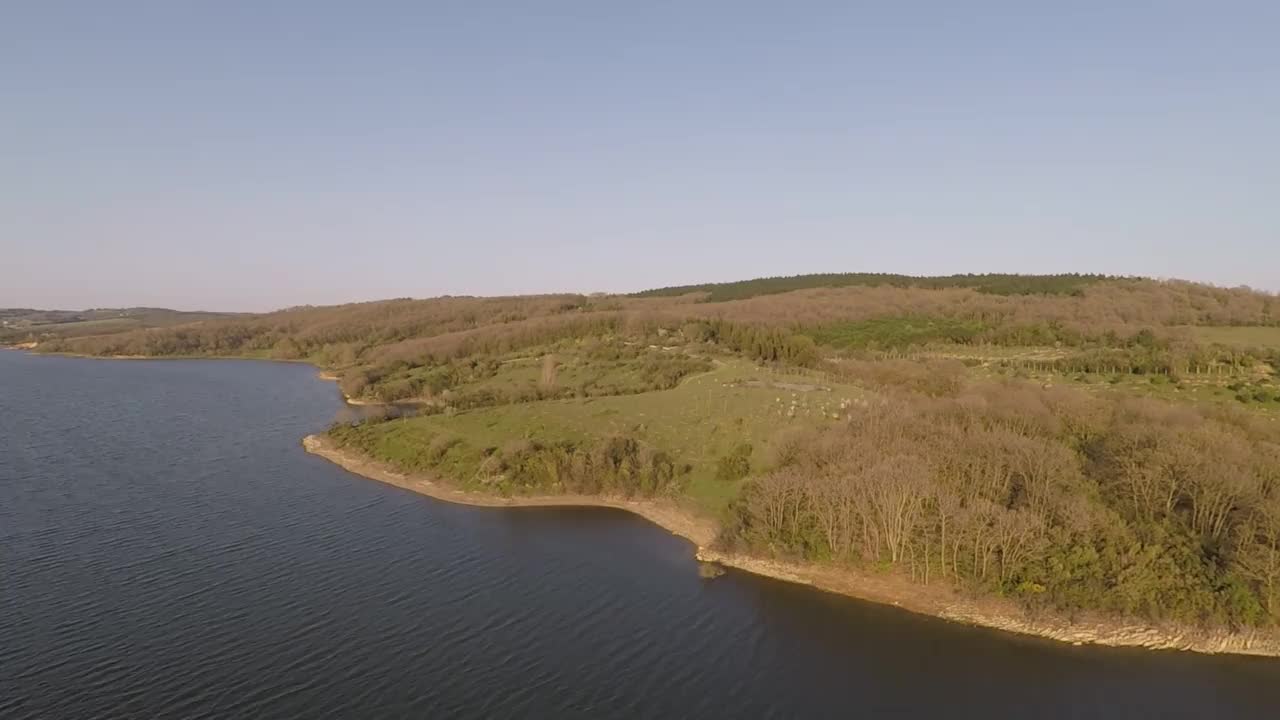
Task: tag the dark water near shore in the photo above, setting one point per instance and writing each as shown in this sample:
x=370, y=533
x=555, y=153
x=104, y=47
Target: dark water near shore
x=167, y=550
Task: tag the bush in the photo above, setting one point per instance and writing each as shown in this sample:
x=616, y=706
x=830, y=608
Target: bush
x=354, y=382
x=696, y=332
x=286, y=349
x=736, y=465
x=440, y=446
x=396, y=390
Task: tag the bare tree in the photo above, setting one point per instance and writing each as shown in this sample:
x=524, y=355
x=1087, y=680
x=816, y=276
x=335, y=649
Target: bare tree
x=549, y=372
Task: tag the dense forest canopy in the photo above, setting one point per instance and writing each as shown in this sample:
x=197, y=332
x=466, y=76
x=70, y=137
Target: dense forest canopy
x=1074, y=442
x=995, y=284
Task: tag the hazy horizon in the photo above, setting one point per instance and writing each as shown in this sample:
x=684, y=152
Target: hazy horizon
x=244, y=157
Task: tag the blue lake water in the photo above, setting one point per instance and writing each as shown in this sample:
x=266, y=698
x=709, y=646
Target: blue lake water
x=167, y=550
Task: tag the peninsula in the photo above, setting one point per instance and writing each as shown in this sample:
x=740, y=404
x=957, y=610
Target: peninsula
x=1087, y=458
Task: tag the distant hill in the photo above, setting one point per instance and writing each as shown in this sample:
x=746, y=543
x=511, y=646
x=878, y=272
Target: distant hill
x=26, y=324
x=989, y=283
x=845, y=312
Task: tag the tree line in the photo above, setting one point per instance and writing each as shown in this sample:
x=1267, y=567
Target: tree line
x=991, y=283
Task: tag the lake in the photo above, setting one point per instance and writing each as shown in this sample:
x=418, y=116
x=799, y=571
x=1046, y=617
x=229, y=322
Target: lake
x=168, y=550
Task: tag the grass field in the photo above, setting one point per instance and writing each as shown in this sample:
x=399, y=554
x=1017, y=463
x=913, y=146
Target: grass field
x=1256, y=387
x=1264, y=337
x=604, y=391
x=90, y=327
x=701, y=420
x=38, y=324
x=1261, y=394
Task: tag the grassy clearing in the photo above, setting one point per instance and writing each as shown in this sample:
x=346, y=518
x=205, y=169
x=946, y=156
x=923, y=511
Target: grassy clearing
x=1260, y=394
x=590, y=369
x=698, y=422
x=1243, y=337
x=896, y=332
x=994, y=353
x=701, y=423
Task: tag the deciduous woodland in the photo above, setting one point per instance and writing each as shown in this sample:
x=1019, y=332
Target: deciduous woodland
x=1076, y=443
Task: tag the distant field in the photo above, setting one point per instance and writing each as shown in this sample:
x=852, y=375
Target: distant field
x=89, y=327
x=46, y=324
x=1268, y=337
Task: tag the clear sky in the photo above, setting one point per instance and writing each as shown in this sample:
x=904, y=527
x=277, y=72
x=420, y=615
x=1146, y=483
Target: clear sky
x=249, y=155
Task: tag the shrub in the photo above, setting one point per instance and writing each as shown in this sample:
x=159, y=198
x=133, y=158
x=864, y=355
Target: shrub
x=440, y=446
x=736, y=465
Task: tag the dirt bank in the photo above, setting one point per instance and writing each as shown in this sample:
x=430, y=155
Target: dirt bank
x=940, y=601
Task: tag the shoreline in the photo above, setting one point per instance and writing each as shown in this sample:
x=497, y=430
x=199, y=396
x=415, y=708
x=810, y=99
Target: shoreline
x=321, y=373
x=937, y=601
x=329, y=376
x=664, y=514
x=33, y=349
x=934, y=601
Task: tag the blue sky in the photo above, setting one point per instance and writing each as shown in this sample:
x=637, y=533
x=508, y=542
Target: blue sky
x=252, y=155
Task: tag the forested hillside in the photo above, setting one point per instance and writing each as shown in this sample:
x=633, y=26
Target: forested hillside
x=994, y=284
x=1077, y=443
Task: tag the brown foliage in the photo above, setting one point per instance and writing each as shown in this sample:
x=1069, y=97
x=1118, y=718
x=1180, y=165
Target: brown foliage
x=1081, y=501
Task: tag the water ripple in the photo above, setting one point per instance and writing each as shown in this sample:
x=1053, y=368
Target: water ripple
x=170, y=552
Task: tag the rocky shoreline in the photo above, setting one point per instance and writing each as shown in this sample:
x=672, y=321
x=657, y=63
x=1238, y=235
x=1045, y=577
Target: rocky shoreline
x=999, y=615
